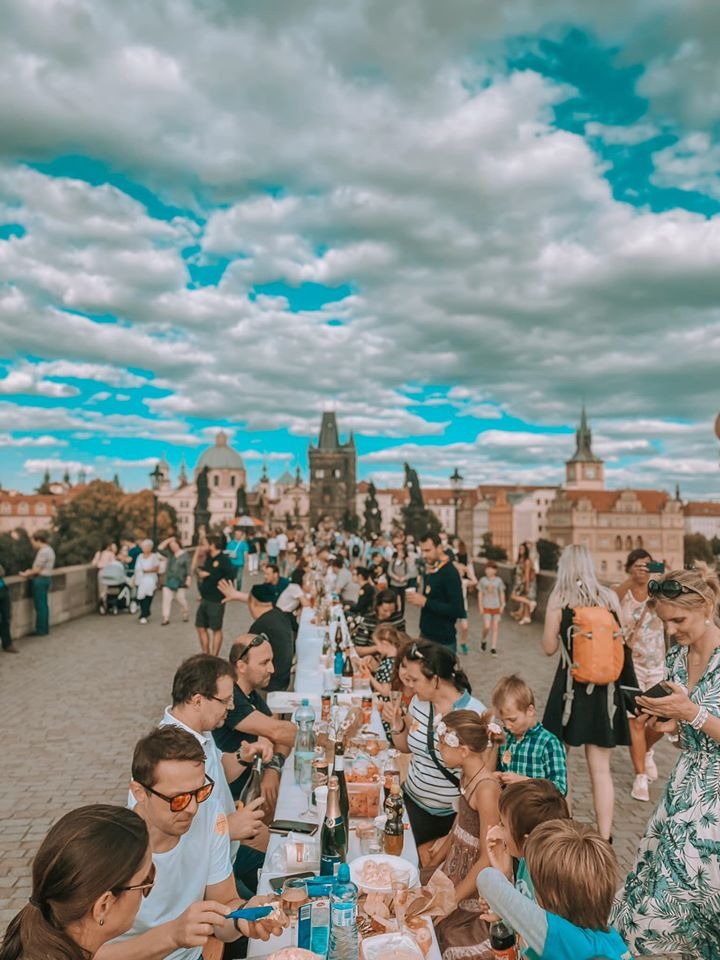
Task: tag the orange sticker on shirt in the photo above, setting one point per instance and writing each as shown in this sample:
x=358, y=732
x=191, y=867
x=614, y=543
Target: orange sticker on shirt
x=221, y=824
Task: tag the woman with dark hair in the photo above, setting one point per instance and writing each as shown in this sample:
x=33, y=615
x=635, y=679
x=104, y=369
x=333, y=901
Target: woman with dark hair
x=524, y=591
x=645, y=635
x=439, y=686
x=88, y=879
x=386, y=614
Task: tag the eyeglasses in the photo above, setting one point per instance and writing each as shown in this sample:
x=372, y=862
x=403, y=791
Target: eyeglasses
x=145, y=887
x=225, y=701
x=255, y=642
x=670, y=589
x=182, y=800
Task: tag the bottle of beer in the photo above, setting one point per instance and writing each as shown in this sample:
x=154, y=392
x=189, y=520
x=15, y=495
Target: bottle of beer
x=253, y=785
x=339, y=772
x=391, y=773
x=394, y=834
x=346, y=678
x=333, y=836
x=503, y=941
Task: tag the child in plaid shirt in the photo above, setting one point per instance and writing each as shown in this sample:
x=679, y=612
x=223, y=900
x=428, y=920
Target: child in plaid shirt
x=530, y=750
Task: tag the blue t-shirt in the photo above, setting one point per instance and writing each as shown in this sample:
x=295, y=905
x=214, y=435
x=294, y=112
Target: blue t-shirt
x=565, y=941
x=236, y=550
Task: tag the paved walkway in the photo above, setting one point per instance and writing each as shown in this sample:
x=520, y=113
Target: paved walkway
x=72, y=706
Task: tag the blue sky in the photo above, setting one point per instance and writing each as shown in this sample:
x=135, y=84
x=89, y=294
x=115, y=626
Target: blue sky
x=218, y=218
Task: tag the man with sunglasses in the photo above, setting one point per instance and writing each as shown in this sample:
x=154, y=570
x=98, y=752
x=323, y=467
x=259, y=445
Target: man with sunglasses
x=251, y=658
x=193, y=887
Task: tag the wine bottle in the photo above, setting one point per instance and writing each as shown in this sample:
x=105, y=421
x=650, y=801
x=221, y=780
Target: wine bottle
x=394, y=832
x=253, y=785
x=346, y=679
x=333, y=836
x=339, y=772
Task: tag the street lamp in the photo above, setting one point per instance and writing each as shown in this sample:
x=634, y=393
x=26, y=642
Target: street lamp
x=155, y=477
x=456, y=482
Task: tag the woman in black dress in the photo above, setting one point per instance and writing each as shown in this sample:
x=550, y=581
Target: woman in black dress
x=593, y=717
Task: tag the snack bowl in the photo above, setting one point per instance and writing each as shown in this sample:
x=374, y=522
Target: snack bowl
x=394, y=865
x=391, y=946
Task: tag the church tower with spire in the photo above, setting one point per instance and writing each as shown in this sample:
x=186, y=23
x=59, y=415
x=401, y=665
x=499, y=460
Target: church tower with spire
x=333, y=467
x=584, y=471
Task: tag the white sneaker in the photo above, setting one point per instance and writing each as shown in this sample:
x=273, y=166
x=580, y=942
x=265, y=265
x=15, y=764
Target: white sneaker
x=650, y=768
x=144, y=620
x=640, y=789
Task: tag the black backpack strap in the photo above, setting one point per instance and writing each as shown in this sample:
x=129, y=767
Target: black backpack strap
x=433, y=756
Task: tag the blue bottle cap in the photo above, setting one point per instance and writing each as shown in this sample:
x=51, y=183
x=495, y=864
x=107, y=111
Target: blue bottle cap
x=343, y=874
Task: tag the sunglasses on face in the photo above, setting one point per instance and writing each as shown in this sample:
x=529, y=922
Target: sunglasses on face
x=255, y=642
x=145, y=887
x=181, y=801
x=669, y=589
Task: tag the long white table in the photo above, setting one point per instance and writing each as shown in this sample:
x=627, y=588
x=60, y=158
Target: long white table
x=291, y=800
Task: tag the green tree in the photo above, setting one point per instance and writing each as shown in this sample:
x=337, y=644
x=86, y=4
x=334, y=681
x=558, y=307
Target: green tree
x=548, y=554
x=16, y=551
x=136, y=516
x=87, y=523
x=715, y=544
x=490, y=551
x=698, y=547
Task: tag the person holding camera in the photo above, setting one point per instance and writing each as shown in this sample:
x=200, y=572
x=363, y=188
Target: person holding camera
x=645, y=635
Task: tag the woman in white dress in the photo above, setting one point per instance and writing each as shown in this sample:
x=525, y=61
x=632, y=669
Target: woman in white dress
x=147, y=568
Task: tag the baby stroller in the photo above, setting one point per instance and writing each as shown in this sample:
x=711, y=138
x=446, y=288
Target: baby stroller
x=114, y=581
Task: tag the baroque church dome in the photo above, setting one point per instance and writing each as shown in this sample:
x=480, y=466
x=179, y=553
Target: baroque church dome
x=220, y=456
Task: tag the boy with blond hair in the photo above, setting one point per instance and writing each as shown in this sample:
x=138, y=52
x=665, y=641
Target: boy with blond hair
x=574, y=872
x=530, y=750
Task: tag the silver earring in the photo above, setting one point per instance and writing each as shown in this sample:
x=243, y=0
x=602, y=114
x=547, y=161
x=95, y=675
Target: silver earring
x=101, y=922
x=707, y=622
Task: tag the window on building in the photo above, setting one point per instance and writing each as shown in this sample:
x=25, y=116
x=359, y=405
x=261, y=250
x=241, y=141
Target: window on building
x=216, y=480
x=628, y=543
x=638, y=541
x=41, y=509
x=5, y=508
x=603, y=566
x=23, y=509
x=618, y=543
x=319, y=474
x=232, y=480
x=338, y=473
x=619, y=565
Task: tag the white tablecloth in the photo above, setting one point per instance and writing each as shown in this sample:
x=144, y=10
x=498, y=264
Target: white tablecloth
x=291, y=799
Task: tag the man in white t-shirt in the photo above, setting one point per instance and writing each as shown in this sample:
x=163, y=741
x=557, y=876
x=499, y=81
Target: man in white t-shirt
x=193, y=886
x=202, y=694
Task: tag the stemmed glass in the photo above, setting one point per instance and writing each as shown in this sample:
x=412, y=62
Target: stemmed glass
x=294, y=895
x=304, y=779
x=400, y=886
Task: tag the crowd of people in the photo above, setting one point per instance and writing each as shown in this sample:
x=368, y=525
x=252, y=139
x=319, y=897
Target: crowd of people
x=486, y=788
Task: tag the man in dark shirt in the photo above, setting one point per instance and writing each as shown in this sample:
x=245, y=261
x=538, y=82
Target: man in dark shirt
x=366, y=598
x=274, y=580
x=211, y=611
x=441, y=601
x=250, y=718
x=275, y=625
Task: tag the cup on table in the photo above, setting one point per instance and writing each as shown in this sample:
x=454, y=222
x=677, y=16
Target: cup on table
x=321, y=795
x=400, y=884
x=369, y=839
x=294, y=895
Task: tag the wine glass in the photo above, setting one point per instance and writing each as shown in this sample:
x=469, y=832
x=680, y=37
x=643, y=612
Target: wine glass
x=294, y=895
x=400, y=884
x=304, y=780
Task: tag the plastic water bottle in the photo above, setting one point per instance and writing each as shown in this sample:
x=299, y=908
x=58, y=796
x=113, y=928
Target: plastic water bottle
x=304, y=741
x=344, y=942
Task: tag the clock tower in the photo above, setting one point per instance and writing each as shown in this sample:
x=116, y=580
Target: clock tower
x=584, y=471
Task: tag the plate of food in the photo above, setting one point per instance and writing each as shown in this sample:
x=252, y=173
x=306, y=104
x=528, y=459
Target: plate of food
x=375, y=872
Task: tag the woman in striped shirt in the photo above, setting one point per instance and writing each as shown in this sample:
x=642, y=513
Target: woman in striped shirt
x=440, y=686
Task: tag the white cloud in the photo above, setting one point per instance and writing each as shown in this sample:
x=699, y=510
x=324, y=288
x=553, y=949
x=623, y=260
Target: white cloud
x=45, y=440
x=26, y=382
x=53, y=464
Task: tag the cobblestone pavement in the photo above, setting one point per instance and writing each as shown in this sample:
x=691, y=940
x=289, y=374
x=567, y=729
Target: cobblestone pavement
x=72, y=706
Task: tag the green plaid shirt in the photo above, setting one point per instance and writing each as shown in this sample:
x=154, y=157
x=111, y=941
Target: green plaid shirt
x=538, y=753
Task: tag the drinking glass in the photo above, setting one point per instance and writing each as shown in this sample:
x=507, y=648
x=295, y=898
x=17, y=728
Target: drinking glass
x=294, y=895
x=304, y=780
x=400, y=884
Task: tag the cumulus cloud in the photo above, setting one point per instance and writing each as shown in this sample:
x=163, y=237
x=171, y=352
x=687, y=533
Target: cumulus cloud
x=54, y=464
x=478, y=244
x=44, y=440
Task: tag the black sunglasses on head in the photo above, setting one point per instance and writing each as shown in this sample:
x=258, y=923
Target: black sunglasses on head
x=256, y=641
x=669, y=589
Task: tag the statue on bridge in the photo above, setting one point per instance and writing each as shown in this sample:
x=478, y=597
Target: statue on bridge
x=413, y=485
x=373, y=517
x=241, y=504
x=202, y=513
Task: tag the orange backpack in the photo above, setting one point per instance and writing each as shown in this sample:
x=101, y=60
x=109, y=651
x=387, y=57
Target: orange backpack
x=597, y=646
